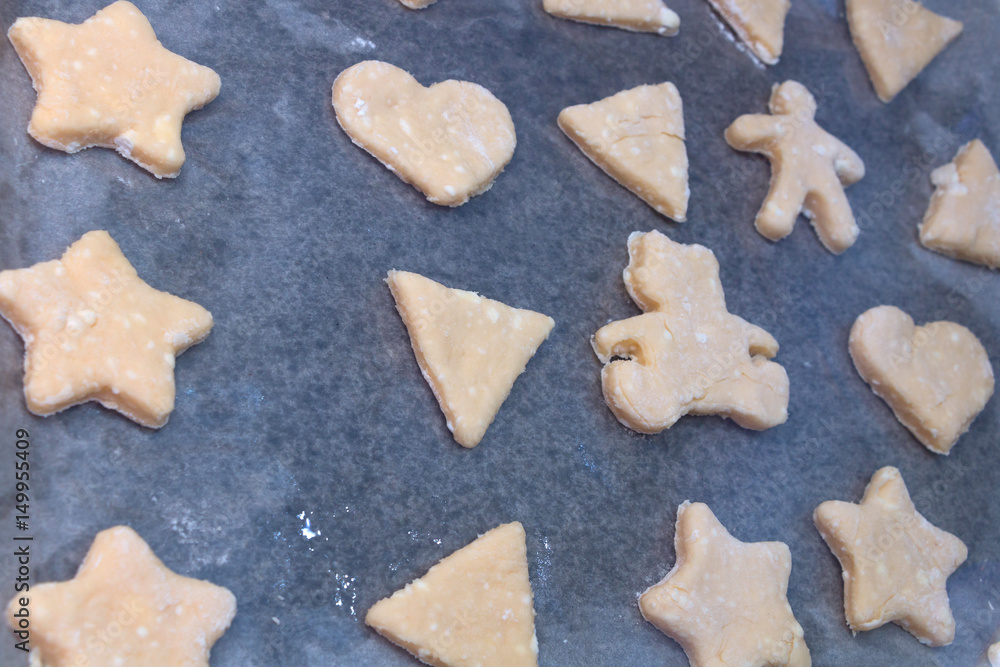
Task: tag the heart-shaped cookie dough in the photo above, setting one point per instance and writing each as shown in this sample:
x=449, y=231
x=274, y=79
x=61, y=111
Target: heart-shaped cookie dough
x=450, y=140
x=936, y=378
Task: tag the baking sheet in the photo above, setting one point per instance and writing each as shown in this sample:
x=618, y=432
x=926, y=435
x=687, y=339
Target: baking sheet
x=305, y=403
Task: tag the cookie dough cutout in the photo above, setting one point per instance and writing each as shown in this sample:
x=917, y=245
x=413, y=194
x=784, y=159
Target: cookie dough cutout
x=897, y=39
x=473, y=608
x=686, y=354
x=725, y=601
x=634, y=15
x=759, y=24
x=417, y=4
x=994, y=655
x=94, y=331
x=470, y=349
x=109, y=82
x=637, y=138
x=809, y=168
x=162, y=618
x=450, y=141
x=936, y=378
x=896, y=564
x=963, y=218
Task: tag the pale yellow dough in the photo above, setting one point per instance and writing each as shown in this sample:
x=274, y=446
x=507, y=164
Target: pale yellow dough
x=124, y=607
x=994, y=655
x=473, y=609
x=896, y=564
x=936, y=378
x=686, y=354
x=94, y=331
x=470, y=349
x=725, y=601
x=963, y=218
x=760, y=24
x=109, y=82
x=897, y=39
x=417, y=4
x=637, y=138
x=809, y=168
x=635, y=15
x=450, y=141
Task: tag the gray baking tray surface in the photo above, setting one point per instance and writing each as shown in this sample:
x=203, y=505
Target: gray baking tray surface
x=306, y=404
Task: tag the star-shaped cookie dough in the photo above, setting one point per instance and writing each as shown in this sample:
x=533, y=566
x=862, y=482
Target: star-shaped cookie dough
x=686, y=354
x=109, y=82
x=125, y=607
x=725, y=601
x=809, y=168
x=94, y=331
x=896, y=564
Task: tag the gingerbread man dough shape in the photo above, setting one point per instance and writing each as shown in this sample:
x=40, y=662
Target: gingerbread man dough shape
x=686, y=354
x=810, y=168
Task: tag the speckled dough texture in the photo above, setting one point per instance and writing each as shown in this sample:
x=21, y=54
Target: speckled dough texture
x=124, y=607
x=635, y=15
x=94, y=331
x=305, y=403
x=896, y=564
x=450, y=141
x=809, y=168
x=109, y=82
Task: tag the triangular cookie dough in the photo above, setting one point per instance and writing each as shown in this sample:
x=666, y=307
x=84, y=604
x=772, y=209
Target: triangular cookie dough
x=686, y=354
x=897, y=39
x=417, y=4
x=896, y=564
x=634, y=15
x=109, y=82
x=809, y=168
x=963, y=218
x=470, y=349
x=125, y=607
x=725, y=601
x=637, y=138
x=474, y=608
x=936, y=378
x=759, y=24
x=94, y=331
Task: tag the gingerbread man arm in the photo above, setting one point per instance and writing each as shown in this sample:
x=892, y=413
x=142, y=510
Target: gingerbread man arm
x=754, y=132
x=632, y=338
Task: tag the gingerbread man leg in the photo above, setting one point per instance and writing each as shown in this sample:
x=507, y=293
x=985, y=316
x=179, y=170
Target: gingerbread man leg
x=756, y=397
x=831, y=217
x=781, y=207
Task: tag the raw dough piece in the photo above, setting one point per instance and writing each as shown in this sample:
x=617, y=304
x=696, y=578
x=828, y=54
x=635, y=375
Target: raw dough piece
x=897, y=39
x=686, y=354
x=760, y=24
x=635, y=15
x=994, y=655
x=963, y=219
x=125, y=607
x=809, y=168
x=108, y=82
x=473, y=609
x=94, y=331
x=936, y=378
x=896, y=564
x=470, y=349
x=637, y=138
x=450, y=141
x=725, y=601
x=417, y=4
